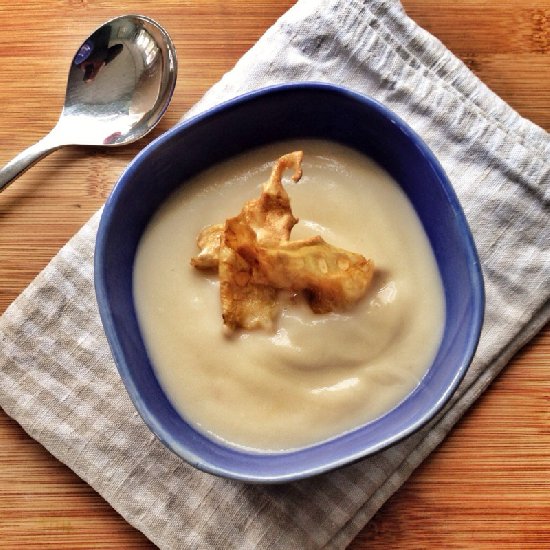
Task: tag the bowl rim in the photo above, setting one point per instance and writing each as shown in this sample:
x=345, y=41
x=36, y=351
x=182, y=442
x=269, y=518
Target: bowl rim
x=106, y=313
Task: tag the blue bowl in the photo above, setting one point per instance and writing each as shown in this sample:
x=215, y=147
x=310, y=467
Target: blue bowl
x=287, y=112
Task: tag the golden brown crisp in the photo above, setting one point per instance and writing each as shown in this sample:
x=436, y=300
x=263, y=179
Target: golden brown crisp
x=209, y=243
x=332, y=278
x=245, y=304
x=269, y=219
x=270, y=215
x=255, y=259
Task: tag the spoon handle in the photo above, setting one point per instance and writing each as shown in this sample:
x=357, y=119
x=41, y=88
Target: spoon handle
x=24, y=160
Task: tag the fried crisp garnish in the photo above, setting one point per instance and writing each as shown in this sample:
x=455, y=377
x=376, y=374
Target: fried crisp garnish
x=245, y=304
x=270, y=215
x=255, y=259
x=209, y=243
x=267, y=219
x=332, y=278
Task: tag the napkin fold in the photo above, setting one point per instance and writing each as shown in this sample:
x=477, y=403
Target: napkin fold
x=57, y=378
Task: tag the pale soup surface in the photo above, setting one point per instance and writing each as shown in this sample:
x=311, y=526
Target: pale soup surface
x=316, y=376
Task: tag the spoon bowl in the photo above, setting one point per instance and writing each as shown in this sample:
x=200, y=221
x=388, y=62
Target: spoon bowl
x=120, y=83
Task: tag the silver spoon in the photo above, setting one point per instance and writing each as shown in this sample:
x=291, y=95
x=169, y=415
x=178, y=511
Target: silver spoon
x=120, y=83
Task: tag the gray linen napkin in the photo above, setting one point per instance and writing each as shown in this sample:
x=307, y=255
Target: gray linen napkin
x=57, y=378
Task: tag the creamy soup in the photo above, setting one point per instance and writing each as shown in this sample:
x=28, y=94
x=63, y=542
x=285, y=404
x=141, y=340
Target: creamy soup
x=314, y=376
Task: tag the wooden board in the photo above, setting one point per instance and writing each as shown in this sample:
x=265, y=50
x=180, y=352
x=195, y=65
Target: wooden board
x=487, y=484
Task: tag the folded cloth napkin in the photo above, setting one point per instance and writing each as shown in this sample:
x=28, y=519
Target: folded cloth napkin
x=57, y=378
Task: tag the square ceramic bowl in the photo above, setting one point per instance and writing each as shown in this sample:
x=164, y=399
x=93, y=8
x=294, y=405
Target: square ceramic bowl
x=269, y=115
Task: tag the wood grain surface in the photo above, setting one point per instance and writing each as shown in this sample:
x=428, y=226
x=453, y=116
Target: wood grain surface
x=488, y=484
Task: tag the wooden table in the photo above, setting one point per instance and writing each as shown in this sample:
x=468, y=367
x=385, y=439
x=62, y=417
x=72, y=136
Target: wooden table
x=488, y=483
